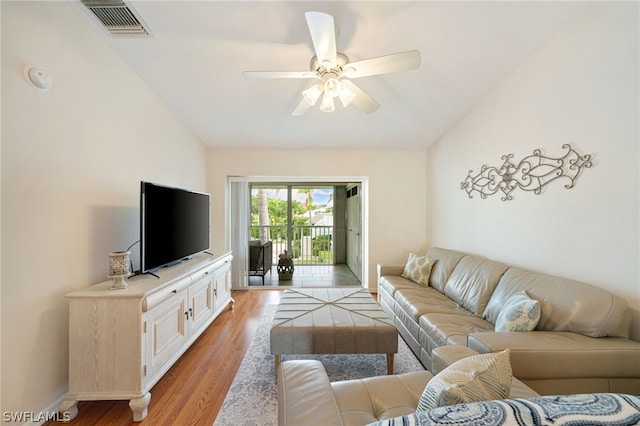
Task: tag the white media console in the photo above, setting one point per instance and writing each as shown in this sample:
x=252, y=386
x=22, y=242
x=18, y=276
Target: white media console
x=121, y=342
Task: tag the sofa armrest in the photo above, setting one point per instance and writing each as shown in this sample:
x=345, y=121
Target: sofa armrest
x=389, y=270
x=305, y=396
x=444, y=356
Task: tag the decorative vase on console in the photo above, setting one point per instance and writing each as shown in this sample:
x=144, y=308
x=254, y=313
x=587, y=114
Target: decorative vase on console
x=119, y=268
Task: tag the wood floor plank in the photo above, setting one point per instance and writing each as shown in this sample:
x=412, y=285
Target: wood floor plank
x=193, y=390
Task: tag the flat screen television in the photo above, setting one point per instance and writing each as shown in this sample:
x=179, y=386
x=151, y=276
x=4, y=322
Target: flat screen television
x=174, y=225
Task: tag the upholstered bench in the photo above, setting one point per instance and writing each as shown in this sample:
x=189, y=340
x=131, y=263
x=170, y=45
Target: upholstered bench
x=331, y=321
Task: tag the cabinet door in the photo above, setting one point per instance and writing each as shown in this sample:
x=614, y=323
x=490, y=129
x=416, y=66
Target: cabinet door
x=201, y=302
x=221, y=285
x=166, y=331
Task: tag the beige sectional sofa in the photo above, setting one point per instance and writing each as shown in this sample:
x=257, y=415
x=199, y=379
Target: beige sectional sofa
x=581, y=343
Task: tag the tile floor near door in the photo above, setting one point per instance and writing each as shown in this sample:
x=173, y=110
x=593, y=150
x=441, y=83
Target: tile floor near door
x=310, y=276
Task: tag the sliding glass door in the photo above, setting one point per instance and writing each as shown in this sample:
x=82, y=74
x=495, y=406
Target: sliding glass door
x=312, y=219
x=296, y=218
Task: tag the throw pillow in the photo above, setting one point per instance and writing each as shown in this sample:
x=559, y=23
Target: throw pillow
x=418, y=269
x=476, y=378
x=519, y=313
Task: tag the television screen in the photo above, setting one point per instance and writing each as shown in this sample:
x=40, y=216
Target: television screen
x=174, y=224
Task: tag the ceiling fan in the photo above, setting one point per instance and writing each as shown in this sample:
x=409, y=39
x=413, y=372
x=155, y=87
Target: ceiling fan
x=333, y=70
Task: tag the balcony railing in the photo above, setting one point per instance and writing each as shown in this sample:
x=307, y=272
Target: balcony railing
x=310, y=245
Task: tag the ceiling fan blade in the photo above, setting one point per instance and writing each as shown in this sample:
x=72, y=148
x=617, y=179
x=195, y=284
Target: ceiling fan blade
x=279, y=74
x=323, y=35
x=402, y=61
x=362, y=100
x=301, y=109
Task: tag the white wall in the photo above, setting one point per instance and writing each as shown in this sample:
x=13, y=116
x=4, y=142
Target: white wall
x=397, y=192
x=72, y=160
x=582, y=88
x=0, y=227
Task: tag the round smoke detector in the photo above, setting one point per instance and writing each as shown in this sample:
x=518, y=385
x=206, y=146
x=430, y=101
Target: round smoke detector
x=38, y=79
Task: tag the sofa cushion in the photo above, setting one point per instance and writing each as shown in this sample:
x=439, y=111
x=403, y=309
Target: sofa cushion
x=362, y=401
x=519, y=313
x=418, y=269
x=446, y=261
x=562, y=355
x=420, y=301
x=392, y=283
x=472, y=379
x=472, y=282
x=448, y=329
x=565, y=305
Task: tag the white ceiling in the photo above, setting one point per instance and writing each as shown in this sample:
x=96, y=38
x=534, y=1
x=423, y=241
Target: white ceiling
x=199, y=49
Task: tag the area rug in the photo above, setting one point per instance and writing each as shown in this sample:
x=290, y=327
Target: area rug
x=252, y=399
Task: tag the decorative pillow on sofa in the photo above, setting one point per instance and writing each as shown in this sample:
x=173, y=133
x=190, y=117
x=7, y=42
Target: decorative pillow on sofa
x=476, y=378
x=418, y=269
x=519, y=313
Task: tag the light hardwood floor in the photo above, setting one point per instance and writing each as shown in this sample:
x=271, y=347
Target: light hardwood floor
x=193, y=390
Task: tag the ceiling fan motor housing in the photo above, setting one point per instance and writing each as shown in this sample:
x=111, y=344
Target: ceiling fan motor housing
x=338, y=69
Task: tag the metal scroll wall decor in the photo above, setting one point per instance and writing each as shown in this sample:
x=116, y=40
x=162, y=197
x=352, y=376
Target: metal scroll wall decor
x=532, y=173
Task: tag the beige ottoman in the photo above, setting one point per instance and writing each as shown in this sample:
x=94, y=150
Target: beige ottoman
x=331, y=321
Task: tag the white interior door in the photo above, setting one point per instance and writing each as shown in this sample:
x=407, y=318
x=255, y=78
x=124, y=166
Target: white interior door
x=354, y=231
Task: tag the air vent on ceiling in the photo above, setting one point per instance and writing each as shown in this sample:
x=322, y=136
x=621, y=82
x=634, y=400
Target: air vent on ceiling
x=117, y=17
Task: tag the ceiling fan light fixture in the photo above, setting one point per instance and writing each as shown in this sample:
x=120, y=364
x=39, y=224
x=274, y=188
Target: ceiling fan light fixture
x=327, y=104
x=346, y=95
x=312, y=94
x=332, y=87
